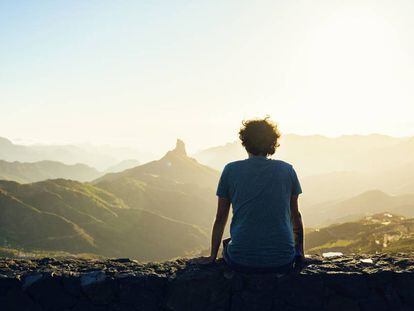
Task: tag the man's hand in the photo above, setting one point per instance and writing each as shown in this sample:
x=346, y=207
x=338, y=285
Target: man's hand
x=301, y=262
x=204, y=260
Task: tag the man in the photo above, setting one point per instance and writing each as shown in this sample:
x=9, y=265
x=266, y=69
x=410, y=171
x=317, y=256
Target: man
x=266, y=229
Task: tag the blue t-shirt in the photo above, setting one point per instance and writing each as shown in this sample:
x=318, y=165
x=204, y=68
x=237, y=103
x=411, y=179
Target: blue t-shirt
x=261, y=229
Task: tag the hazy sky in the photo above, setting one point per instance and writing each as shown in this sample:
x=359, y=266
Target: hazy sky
x=146, y=72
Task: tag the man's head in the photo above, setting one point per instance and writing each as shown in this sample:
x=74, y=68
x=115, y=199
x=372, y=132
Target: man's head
x=259, y=136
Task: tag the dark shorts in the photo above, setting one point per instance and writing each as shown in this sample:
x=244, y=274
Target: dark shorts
x=285, y=269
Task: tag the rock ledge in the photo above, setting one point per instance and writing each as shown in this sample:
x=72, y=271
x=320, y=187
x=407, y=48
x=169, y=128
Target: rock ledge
x=346, y=283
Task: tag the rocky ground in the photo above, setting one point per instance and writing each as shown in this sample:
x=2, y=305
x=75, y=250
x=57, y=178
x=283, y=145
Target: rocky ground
x=377, y=282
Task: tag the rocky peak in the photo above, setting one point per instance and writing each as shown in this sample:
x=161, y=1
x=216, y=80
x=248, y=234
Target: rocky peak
x=178, y=152
x=180, y=148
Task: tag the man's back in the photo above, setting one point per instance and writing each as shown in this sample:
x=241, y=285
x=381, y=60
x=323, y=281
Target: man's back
x=261, y=230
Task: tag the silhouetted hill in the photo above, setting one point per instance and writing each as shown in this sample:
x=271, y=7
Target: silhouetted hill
x=38, y=171
x=176, y=186
x=384, y=232
x=370, y=202
x=68, y=216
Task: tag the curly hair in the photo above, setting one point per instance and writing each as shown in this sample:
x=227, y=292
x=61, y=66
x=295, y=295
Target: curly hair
x=260, y=136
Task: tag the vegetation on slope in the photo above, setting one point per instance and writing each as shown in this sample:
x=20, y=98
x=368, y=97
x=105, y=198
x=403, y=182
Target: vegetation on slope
x=62, y=215
x=383, y=232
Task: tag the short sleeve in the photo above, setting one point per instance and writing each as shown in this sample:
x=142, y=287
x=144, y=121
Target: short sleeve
x=296, y=188
x=223, y=185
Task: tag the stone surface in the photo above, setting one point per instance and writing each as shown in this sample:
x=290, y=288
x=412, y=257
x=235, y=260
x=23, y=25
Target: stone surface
x=345, y=283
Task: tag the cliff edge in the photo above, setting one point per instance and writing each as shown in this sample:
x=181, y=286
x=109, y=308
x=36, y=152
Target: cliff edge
x=379, y=282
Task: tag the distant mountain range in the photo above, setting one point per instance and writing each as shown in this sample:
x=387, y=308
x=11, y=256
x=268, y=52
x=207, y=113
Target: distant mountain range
x=43, y=170
x=27, y=172
x=384, y=232
x=99, y=157
x=367, y=203
x=33, y=163
x=315, y=154
x=344, y=184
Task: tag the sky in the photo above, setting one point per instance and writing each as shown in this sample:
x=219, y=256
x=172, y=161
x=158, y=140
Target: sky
x=142, y=73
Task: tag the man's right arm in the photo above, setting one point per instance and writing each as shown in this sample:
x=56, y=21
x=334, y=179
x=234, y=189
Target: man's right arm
x=297, y=224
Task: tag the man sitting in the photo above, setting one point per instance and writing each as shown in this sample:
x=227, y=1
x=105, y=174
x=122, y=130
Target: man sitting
x=266, y=229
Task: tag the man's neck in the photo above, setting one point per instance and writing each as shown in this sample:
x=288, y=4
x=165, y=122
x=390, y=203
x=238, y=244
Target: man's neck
x=255, y=156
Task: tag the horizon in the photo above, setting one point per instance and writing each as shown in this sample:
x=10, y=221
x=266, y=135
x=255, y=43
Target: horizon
x=171, y=145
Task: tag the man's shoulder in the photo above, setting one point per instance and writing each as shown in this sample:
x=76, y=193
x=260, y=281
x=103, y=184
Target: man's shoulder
x=281, y=163
x=234, y=164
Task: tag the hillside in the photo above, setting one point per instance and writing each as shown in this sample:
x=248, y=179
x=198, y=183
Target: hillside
x=369, y=202
x=176, y=186
x=24, y=172
x=384, y=232
x=73, y=217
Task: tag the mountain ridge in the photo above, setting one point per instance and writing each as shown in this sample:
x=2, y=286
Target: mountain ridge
x=100, y=156
x=27, y=172
x=175, y=179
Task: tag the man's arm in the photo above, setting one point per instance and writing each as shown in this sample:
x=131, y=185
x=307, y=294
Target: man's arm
x=222, y=215
x=297, y=224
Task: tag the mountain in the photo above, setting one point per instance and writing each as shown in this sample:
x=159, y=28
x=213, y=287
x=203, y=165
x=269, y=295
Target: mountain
x=176, y=186
x=100, y=157
x=370, y=202
x=37, y=171
x=122, y=166
x=335, y=186
x=69, y=216
x=340, y=185
x=384, y=232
